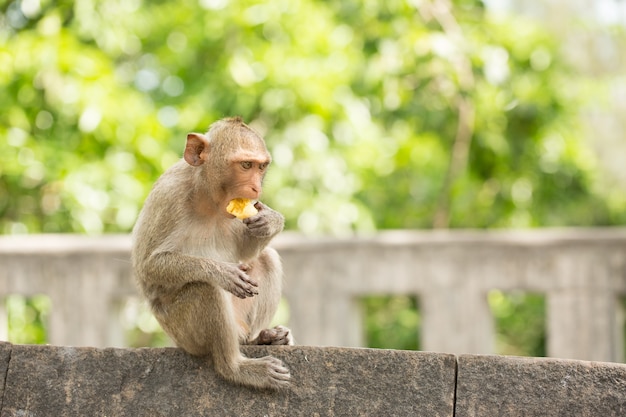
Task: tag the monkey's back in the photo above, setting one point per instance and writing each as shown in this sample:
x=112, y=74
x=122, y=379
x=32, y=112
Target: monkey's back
x=162, y=211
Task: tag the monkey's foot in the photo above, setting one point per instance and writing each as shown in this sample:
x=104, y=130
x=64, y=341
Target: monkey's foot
x=266, y=373
x=279, y=335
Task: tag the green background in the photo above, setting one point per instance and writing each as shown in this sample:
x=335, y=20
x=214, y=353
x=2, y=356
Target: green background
x=379, y=114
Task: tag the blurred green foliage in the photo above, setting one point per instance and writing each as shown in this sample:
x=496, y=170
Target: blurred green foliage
x=391, y=322
x=27, y=318
x=520, y=320
x=395, y=114
x=379, y=114
x=140, y=326
x=394, y=322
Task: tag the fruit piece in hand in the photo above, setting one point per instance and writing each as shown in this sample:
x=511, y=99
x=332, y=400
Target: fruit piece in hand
x=241, y=208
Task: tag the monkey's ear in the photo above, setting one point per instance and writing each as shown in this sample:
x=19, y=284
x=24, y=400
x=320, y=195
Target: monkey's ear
x=196, y=149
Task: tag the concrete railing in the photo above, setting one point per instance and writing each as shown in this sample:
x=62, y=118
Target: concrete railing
x=581, y=272
x=67, y=381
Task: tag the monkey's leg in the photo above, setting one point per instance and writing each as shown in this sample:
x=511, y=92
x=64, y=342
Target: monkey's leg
x=202, y=322
x=256, y=313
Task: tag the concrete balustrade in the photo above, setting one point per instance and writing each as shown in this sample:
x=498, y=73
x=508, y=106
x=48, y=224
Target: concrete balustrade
x=581, y=272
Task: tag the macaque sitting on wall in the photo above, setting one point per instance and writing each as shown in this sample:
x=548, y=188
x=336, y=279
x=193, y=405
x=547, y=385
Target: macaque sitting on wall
x=209, y=277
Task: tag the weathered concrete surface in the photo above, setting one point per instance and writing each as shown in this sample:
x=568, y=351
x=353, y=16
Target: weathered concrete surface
x=510, y=386
x=5, y=355
x=67, y=381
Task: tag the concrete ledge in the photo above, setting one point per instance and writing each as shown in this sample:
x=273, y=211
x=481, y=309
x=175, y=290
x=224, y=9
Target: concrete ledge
x=68, y=381
x=490, y=385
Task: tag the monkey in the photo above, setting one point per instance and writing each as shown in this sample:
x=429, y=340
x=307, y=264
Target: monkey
x=211, y=280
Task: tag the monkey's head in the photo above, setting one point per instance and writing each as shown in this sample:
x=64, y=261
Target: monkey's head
x=231, y=159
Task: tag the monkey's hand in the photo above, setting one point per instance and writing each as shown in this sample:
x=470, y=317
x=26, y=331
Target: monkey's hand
x=234, y=279
x=267, y=223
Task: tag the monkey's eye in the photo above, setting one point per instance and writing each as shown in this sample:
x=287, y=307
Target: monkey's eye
x=264, y=166
x=246, y=164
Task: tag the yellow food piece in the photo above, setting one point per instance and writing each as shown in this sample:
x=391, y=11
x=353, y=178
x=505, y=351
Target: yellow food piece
x=242, y=208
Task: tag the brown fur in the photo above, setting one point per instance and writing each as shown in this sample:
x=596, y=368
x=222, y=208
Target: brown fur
x=211, y=280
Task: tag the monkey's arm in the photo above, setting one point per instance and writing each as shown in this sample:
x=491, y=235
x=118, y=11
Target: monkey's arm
x=260, y=229
x=164, y=272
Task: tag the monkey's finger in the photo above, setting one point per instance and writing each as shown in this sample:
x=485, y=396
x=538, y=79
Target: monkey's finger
x=256, y=219
x=280, y=373
x=246, y=279
x=248, y=292
x=249, y=287
x=277, y=367
x=258, y=223
x=244, y=292
x=257, y=227
x=282, y=340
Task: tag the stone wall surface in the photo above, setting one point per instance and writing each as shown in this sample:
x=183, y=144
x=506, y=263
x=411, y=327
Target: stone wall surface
x=490, y=385
x=67, y=381
x=5, y=354
x=329, y=381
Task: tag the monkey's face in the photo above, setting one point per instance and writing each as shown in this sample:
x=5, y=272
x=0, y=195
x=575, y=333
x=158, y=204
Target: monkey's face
x=233, y=164
x=245, y=175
